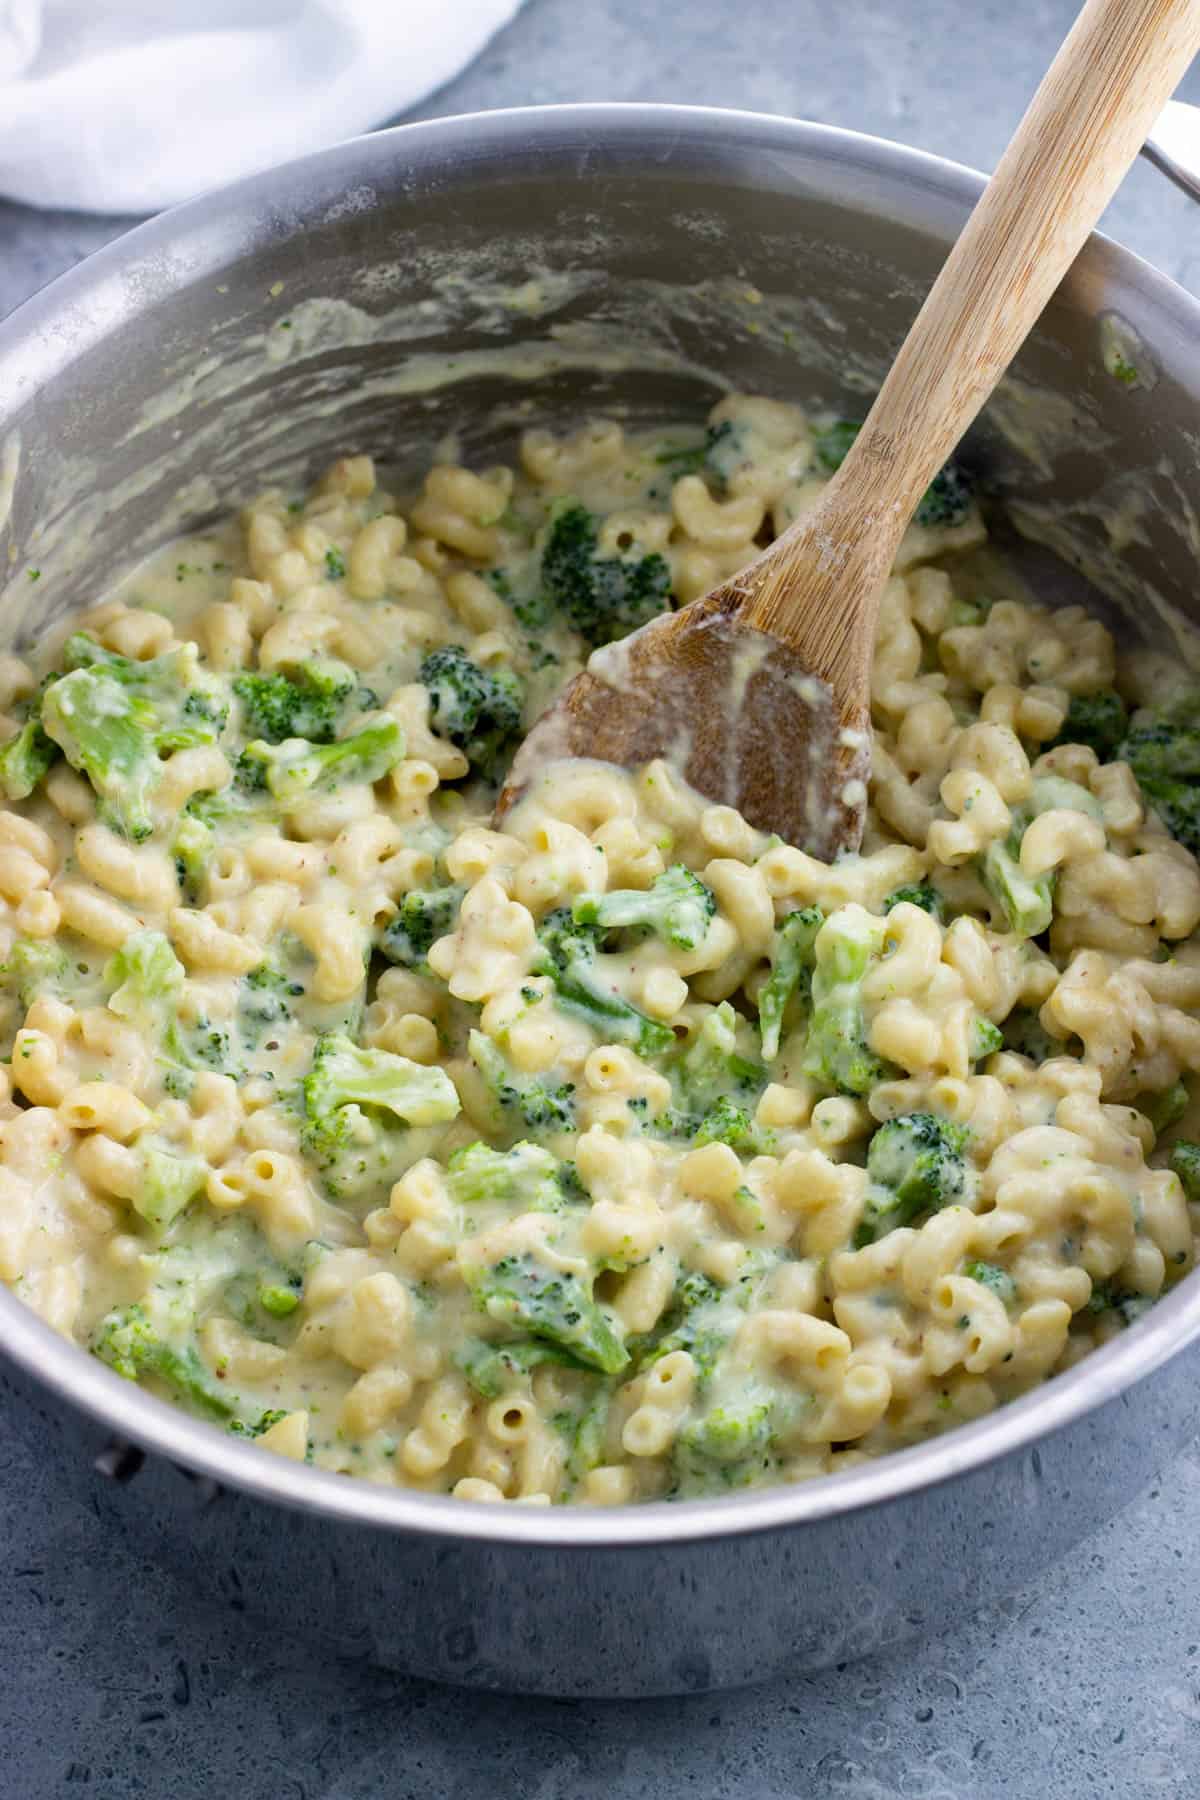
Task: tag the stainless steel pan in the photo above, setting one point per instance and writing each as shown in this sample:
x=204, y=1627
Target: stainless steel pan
x=198, y=358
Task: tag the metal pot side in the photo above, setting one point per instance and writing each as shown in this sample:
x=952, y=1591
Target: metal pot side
x=787, y=258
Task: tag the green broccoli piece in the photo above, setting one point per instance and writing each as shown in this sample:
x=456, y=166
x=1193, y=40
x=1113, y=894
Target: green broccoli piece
x=837, y=1052
x=532, y=1101
x=492, y=1368
x=147, y=981
x=33, y=967
x=710, y=457
x=294, y=769
x=997, y=1281
x=263, y=1423
x=524, y=1294
x=947, y=499
x=1162, y=748
x=601, y=597
x=677, y=906
x=693, y=1322
x=307, y=704
x=115, y=720
x=1097, y=720
x=279, y=1300
x=526, y=1177
x=1185, y=1160
x=1166, y=1108
x=146, y=977
x=915, y=1164
x=192, y=849
x=1028, y=901
x=264, y=1001
x=167, y=1179
x=348, y=1101
x=25, y=759
x=477, y=710
x=727, y=1447
x=831, y=443
x=569, y=957
x=424, y=915
x=726, y=1122
x=729, y=1434
x=1107, y=1297
x=792, y=959
x=985, y=1038
x=919, y=893
x=129, y=1344
x=1025, y=1033
x=712, y=1067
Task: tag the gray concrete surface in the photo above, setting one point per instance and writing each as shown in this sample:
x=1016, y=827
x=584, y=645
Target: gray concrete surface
x=114, y=1683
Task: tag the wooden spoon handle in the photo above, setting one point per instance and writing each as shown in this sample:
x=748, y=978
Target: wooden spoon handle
x=1084, y=126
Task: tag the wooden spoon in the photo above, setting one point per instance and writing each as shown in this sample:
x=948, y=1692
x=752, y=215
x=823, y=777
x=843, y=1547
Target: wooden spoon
x=760, y=692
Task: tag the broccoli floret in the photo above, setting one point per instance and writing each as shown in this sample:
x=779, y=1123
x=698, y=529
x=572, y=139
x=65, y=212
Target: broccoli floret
x=1107, y=1297
x=831, y=443
x=677, y=906
x=709, y=457
x=146, y=977
x=1025, y=1033
x=693, y=1322
x=192, y=848
x=115, y=720
x=601, y=597
x=916, y=1164
x=307, y=704
x=919, y=893
x=1185, y=1160
x=985, y=1038
x=837, y=1052
x=492, y=1368
x=1162, y=748
x=167, y=1179
x=712, y=1067
x=1097, y=720
x=279, y=1300
x=294, y=769
x=530, y=1101
x=569, y=955
x=729, y=1446
x=947, y=499
x=526, y=1177
x=424, y=916
x=25, y=758
x=792, y=959
x=264, y=1422
x=1166, y=1108
x=997, y=1281
x=526, y=1295
x=265, y=1001
x=128, y=1343
x=1027, y=901
x=33, y=967
x=349, y=1099
x=477, y=710
x=726, y=1122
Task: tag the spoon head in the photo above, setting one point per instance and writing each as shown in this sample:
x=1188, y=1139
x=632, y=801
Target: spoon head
x=733, y=710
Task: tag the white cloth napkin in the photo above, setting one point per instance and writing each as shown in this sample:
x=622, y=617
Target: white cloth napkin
x=131, y=105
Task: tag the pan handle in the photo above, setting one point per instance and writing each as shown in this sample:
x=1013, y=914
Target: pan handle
x=1174, y=145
